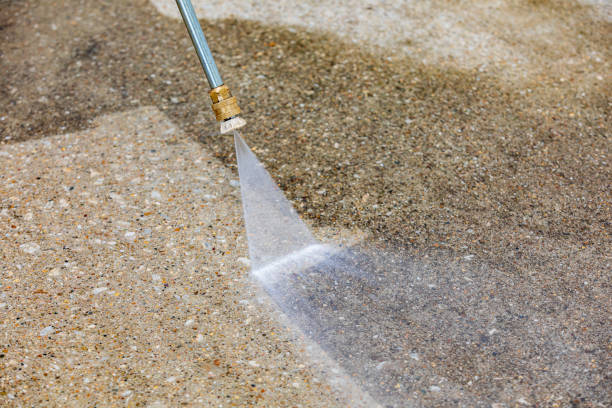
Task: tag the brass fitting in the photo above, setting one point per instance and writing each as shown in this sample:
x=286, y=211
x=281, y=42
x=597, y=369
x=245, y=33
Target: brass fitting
x=224, y=104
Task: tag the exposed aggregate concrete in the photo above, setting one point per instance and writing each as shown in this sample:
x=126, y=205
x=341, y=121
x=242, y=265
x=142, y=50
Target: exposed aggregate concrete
x=122, y=281
x=436, y=159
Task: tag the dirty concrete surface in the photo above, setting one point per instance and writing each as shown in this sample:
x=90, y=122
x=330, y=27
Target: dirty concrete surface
x=506, y=164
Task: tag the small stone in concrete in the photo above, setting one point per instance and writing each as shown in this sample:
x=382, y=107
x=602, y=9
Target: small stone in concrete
x=30, y=248
x=130, y=236
x=55, y=272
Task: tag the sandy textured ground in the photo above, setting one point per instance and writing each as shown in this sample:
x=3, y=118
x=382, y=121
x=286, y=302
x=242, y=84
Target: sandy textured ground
x=512, y=171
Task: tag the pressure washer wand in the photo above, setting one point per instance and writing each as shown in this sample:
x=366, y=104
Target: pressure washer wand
x=224, y=104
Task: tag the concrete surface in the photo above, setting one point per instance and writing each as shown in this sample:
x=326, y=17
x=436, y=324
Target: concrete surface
x=445, y=158
x=124, y=281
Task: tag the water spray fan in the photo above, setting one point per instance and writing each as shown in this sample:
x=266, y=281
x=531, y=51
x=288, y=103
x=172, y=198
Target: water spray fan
x=224, y=104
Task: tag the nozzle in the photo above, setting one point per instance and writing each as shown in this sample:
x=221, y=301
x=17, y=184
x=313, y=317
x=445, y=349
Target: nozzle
x=226, y=109
x=229, y=125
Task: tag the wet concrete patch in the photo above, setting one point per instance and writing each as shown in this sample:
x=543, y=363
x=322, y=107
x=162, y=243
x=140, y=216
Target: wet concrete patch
x=432, y=331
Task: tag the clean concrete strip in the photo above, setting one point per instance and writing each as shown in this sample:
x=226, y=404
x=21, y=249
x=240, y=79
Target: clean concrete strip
x=121, y=277
x=516, y=38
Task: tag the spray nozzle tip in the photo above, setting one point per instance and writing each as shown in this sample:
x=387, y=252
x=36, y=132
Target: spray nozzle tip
x=232, y=124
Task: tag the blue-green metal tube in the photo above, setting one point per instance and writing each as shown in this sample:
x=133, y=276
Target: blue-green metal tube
x=199, y=42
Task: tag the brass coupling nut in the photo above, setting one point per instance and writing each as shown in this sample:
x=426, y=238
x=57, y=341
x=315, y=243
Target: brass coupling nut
x=224, y=104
